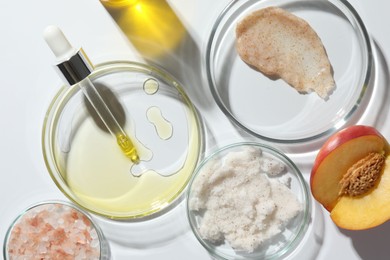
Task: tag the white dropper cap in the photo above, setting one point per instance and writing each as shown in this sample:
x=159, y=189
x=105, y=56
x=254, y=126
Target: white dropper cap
x=73, y=64
x=58, y=43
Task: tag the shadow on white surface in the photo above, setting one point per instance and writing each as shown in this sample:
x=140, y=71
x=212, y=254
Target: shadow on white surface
x=160, y=38
x=375, y=106
x=372, y=243
x=382, y=79
x=148, y=234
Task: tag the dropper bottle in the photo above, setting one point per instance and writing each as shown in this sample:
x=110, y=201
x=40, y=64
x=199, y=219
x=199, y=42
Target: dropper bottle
x=74, y=67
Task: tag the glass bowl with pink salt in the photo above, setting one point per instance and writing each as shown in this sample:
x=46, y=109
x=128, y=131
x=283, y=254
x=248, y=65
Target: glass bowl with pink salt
x=55, y=230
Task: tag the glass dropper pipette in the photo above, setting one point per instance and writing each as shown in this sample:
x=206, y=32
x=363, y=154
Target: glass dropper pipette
x=75, y=68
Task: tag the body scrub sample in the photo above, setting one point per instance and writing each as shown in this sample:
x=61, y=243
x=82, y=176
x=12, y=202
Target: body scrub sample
x=246, y=199
x=282, y=45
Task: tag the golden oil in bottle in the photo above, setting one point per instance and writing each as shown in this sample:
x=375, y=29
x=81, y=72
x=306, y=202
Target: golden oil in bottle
x=118, y=3
x=151, y=25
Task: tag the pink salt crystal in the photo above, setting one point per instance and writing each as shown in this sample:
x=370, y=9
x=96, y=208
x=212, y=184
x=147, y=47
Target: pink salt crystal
x=95, y=243
x=53, y=231
x=68, y=250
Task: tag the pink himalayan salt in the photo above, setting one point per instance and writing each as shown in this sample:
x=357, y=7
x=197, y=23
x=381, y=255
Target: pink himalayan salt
x=53, y=231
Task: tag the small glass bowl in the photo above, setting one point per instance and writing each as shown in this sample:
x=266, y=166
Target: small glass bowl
x=206, y=187
x=271, y=109
x=88, y=166
x=55, y=229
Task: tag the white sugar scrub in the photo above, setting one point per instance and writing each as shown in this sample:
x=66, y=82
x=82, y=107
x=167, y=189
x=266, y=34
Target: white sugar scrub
x=245, y=199
x=54, y=231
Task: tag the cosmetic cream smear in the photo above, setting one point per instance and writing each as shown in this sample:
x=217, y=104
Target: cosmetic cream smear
x=280, y=44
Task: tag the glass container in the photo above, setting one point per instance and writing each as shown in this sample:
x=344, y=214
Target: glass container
x=55, y=230
x=271, y=109
x=247, y=200
x=82, y=157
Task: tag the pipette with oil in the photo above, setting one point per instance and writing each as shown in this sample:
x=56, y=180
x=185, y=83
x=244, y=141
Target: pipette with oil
x=75, y=68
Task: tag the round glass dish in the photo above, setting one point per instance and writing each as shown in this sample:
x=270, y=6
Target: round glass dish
x=88, y=166
x=271, y=109
x=248, y=201
x=55, y=230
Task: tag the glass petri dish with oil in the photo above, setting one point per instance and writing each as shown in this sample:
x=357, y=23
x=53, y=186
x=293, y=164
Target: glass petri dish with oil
x=83, y=158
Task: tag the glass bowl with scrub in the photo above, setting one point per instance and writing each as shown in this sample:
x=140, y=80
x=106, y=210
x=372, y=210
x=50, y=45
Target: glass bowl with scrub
x=267, y=107
x=248, y=201
x=83, y=158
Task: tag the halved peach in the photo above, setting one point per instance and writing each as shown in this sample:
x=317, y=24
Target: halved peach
x=351, y=177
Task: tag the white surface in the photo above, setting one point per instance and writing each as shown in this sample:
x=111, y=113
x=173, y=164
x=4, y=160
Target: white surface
x=28, y=83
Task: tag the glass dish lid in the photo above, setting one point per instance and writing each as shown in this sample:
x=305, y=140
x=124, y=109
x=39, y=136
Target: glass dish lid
x=271, y=109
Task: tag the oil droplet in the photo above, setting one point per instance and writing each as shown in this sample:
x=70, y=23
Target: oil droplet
x=163, y=127
x=151, y=86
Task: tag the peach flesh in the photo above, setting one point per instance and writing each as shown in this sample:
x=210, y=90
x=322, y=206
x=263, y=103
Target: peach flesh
x=366, y=211
x=337, y=155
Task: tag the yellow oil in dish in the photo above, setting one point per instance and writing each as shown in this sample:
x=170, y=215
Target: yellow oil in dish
x=164, y=128
x=150, y=86
x=127, y=147
x=152, y=26
x=100, y=177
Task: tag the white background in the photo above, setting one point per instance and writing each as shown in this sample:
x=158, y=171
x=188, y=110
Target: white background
x=28, y=83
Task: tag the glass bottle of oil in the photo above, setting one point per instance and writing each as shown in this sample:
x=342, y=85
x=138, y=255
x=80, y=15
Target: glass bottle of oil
x=151, y=25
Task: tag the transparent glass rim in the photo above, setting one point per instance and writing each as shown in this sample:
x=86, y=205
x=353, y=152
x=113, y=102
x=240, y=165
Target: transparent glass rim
x=306, y=199
x=51, y=120
x=340, y=4
x=103, y=244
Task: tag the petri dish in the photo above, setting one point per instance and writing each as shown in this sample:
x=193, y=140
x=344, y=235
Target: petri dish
x=55, y=229
x=229, y=182
x=272, y=110
x=85, y=161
